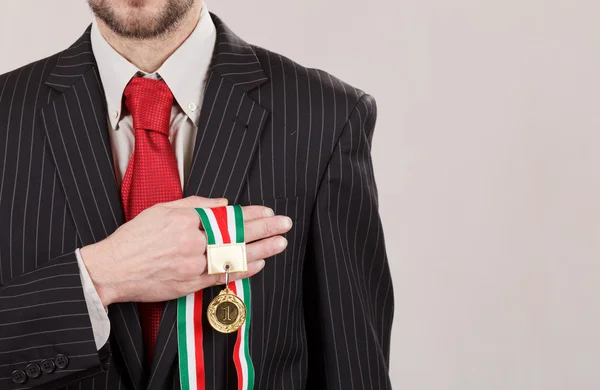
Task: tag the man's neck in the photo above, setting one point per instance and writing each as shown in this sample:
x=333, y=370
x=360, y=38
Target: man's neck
x=149, y=54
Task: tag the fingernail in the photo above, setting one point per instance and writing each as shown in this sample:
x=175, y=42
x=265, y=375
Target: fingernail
x=268, y=212
x=261, y=264
x=221, y=200
x=281, y=243
x=287, y=223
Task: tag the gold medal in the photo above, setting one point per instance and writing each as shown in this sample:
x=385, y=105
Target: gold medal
x=226, y=312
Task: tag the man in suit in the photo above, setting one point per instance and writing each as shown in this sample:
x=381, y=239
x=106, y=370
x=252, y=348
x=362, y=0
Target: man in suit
x=108, y=147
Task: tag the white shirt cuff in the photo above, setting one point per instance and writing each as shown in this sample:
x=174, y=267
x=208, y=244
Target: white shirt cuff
x=98, y=313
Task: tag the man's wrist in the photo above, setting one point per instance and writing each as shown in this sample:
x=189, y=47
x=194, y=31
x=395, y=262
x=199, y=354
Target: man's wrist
x=93, y=256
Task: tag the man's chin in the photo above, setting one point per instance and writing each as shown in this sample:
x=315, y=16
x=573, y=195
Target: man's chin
x=137, y=3
x=137, y=21
x=137, y=26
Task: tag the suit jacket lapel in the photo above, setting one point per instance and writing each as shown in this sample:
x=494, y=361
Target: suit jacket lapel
x=228, y=134
x=76, y=129
x=230, y=122
x=75, y=125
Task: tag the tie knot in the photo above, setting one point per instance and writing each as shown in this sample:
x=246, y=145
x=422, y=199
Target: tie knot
x=149, y=102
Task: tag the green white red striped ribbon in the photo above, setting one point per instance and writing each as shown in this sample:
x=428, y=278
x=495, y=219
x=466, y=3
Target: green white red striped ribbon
x=223, y=225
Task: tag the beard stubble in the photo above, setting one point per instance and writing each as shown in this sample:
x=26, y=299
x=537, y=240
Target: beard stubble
x=138, y=26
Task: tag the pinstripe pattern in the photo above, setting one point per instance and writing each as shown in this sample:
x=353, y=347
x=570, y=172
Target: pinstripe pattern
x=271, y=132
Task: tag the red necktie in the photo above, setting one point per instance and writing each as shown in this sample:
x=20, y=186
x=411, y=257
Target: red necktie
x=152, y=176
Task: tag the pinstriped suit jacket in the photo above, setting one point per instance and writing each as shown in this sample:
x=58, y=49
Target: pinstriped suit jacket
x=271, y=132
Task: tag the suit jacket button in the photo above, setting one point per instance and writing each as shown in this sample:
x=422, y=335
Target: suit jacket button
x=47, y=366
x=18, y=376
x=62, y=361
x=33, y=370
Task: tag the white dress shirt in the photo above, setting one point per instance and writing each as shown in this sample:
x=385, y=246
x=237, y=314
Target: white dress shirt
x=184, y=73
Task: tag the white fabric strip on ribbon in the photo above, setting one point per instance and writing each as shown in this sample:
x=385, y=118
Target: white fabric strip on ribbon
x=241, y=353
x=231, y=226
x=191, y=340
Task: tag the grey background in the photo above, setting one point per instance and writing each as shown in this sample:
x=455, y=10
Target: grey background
x=486, y=152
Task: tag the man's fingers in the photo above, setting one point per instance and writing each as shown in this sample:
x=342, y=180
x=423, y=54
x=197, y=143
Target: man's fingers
x=266, y=227
x=265, y=248
x=256, y=212
x=256, y=252
x=253, y=268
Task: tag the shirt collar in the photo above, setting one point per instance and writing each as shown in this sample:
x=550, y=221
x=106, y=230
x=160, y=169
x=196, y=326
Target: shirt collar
x=184, y=71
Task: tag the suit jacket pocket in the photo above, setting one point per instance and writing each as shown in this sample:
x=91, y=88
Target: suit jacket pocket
x=281, y=206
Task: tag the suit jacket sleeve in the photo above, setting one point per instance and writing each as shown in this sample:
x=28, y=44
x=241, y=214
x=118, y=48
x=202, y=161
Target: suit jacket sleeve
x=44, y=317
x=348, y=294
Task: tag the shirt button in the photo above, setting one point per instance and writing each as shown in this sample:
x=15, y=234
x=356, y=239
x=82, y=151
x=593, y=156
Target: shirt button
x=33, y=370
x=47, y=366
x=192, y=106
x=61, y=361
x=18, y=376
x=115, y=114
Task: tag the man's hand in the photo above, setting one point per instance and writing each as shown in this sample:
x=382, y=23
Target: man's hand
x=161, y=254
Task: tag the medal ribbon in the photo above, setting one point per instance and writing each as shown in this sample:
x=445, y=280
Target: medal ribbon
x=223, y=225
